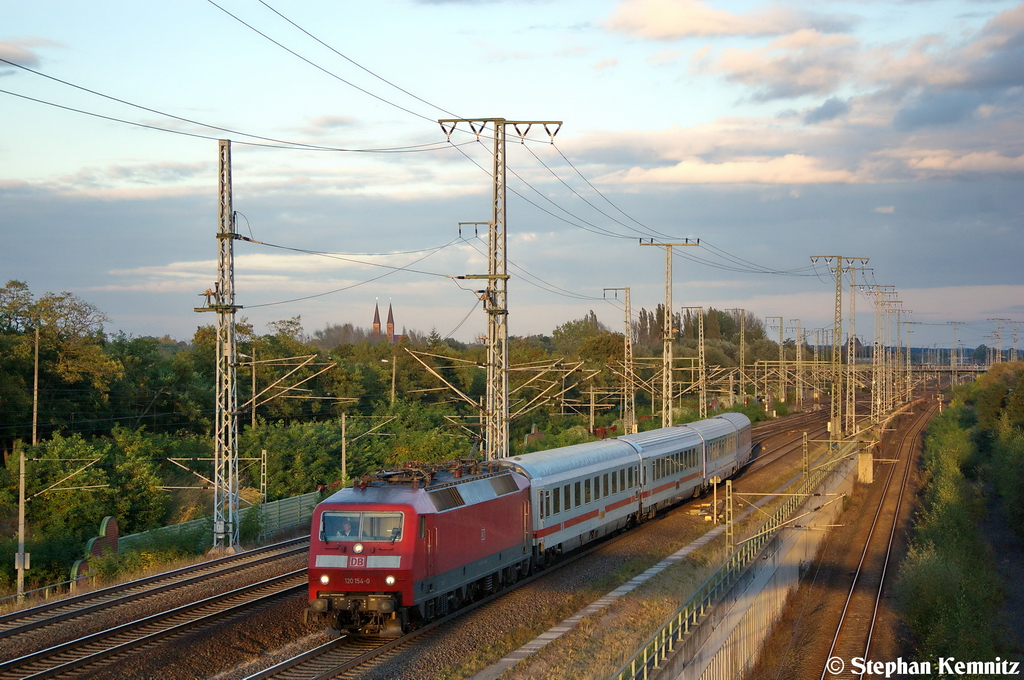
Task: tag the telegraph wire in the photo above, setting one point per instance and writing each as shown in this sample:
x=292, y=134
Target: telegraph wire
x=321, y=68
x=464, y=320
x=276, y=143
x=358, y=65
x=552, y=288
x=566, y=185
x=354, y=285
x=596, y=230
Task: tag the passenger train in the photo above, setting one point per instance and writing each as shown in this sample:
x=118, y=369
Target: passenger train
x=410, y=545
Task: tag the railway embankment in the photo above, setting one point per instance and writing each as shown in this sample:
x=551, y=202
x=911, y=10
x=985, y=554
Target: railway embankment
x=961, y=587
x=948, y=588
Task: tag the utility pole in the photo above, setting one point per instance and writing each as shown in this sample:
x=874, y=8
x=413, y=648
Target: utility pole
x=1015, y=324
x=629, y=422
x=742, y=362
x=798, y=382
x=999, y=339
x=668, y=330
x=21, y=559
x=782, y=358
x=954, y=357
x=221, y=300
x=851, y=353
x=496, y=413
x=836, y=422
x=702, y=383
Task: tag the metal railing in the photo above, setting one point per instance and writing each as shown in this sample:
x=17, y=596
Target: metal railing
x=689, y=615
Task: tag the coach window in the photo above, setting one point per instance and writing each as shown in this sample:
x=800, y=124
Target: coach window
x=622, y=479
x=597, y=487
x=547, y=503
x=568, y=500
x=586, y=490
x=579, y=496
x=615, y=483
x=606, y=490
x=630, y=478
x=558, y=496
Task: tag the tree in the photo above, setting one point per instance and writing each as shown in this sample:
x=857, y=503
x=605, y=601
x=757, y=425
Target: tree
x=75, y=373
x=570, y=337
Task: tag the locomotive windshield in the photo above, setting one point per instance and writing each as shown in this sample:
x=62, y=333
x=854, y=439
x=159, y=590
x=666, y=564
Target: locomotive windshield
x=361, y=526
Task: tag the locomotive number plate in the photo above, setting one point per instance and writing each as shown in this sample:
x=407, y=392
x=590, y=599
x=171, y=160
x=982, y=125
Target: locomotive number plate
x=357, y=581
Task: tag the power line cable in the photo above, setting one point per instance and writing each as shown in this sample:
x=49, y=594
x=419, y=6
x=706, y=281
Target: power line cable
x=321, y=68
x=276, y=142
x=358, y=65
x=360, y=283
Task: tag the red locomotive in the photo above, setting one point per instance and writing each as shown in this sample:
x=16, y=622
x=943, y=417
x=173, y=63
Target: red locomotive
x=412, y=544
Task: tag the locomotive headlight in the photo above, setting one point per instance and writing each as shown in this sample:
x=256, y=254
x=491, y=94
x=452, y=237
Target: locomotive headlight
x=390, y=580
x=357, y=548
x=325, y=579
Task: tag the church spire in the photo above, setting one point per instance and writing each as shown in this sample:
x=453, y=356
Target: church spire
x=376, y=318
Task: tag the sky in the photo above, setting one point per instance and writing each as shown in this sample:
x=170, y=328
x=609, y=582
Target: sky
x=776, y=133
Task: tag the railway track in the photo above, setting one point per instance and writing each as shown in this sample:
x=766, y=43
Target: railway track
x=26, y=620
x=106, y=645
x=856, y=624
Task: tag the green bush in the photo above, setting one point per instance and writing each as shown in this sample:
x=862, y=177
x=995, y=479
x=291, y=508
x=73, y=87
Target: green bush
x=251, y=526
x=947, y=586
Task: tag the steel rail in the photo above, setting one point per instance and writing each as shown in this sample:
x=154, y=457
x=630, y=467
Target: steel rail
x=911, y=435
x=97, y=647
x=116, y=595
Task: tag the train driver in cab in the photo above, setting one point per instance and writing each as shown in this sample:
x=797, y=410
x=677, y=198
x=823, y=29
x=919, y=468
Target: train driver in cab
x=343, y=528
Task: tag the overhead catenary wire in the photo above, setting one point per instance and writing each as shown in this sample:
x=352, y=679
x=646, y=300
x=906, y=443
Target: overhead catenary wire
x=357, y=64
x=270, y=142
x=393, y=269
x=318, y=67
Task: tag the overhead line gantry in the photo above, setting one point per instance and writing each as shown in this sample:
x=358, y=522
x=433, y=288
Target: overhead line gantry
x=495, y=297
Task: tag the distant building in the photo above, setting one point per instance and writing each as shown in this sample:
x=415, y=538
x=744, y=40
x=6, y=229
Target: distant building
x=391, y=325
x=389, y=329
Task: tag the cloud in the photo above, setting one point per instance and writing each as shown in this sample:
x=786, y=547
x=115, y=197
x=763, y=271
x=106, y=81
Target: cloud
x=322, y=125
x=788, y=169
x=831, y=109
x=928, y=163
x=674, y=19
x=806, y=62
x=606, y=64
x=19, y=52
x=885, y=209
x=662, y=57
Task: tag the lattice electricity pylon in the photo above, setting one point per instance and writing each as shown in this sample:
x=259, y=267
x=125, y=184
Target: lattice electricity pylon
x=496, y=295
x=836, y=419
x=629, y=421
x=668, y=331
x=221, y=300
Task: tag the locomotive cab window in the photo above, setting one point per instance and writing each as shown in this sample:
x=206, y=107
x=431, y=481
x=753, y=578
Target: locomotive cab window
x=361, y=526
